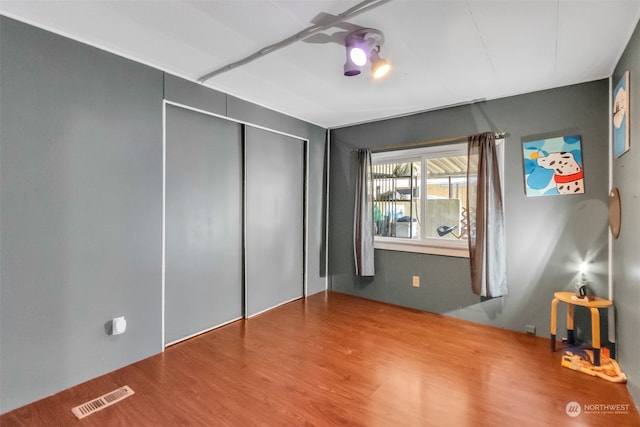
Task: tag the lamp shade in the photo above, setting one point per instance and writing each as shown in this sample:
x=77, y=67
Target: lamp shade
x=351, y=69
x=379, y=67
x=358, y=55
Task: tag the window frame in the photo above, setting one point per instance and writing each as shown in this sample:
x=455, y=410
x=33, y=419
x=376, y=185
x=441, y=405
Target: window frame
x=430, y=245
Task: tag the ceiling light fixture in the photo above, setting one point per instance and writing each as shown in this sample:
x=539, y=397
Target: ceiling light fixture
x=363, y=45
x=363, y=6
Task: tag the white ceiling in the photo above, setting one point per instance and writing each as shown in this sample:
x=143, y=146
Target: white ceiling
x=443, y=52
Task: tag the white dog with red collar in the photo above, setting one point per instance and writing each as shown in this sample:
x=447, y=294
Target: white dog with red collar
x=568, y=175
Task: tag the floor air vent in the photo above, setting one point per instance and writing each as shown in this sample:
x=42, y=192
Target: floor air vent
x=102, y=402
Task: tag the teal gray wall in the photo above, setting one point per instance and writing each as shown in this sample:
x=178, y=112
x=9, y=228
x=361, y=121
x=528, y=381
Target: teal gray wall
x=547, y=237
x=81, y=206
x=81, y=212
x=626, y=263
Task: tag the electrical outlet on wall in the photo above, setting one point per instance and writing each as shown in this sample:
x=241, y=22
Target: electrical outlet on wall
x=530, y=329
x=119, y=325
x=416, y=281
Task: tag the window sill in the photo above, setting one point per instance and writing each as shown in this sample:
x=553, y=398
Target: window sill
x=457, y=249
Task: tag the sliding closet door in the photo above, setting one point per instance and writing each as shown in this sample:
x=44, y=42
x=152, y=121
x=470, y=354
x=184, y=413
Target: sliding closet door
x=274, y=172
x=203, y=223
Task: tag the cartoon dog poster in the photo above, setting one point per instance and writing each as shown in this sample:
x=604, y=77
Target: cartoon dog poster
x=621, y=142
x=553, y=166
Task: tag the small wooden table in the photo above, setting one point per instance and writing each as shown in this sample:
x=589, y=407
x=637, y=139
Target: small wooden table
x=572, y=299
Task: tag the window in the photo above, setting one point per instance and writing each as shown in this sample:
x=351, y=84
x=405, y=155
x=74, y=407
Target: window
x=420, y=199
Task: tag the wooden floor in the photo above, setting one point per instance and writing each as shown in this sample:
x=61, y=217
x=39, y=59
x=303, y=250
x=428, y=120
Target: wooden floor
x=336, y=360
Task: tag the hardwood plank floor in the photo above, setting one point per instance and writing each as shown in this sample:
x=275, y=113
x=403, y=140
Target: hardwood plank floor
x=338, y=360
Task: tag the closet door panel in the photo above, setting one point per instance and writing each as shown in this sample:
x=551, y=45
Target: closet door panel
x=274, y=173
x=203, y=223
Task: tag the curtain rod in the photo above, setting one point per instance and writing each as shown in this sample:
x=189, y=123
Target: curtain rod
x=498, y=134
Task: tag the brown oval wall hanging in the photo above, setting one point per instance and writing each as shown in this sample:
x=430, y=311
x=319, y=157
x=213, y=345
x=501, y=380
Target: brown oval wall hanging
x=614, y=212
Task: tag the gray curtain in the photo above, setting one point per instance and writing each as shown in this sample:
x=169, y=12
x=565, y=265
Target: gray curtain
x=486, y=218
x=363, y=230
